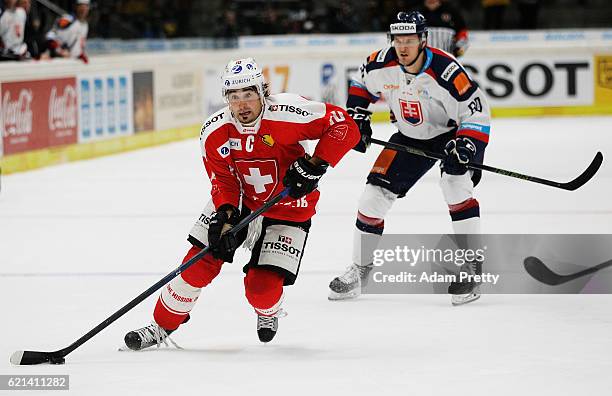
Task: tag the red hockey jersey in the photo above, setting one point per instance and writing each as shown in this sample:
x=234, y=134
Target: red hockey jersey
x=250, y=162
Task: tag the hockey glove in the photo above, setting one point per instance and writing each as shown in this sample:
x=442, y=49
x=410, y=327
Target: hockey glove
x=361, y=117
x=222, y=243
x=302, y=177
x=458, y=152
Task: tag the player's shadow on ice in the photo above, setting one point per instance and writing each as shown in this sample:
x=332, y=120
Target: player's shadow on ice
x=251, y=352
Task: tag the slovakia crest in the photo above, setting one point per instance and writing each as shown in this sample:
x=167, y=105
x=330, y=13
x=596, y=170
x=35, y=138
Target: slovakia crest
x=411, y=112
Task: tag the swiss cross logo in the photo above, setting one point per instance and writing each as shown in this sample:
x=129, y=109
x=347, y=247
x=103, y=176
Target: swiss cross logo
x=411, y=112
x=259, y=177
x=284, y=239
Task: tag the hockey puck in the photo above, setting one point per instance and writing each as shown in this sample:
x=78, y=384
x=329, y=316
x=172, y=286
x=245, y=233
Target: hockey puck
x=57, y=360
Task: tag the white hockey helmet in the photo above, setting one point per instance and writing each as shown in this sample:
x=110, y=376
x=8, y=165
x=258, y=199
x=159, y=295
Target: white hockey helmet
x=242, y=73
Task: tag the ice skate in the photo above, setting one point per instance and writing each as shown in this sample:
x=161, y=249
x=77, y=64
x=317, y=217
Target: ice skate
x=148, y=336
x=267, y=326
x=464, y=293
x=467, y=291
x=349, y=284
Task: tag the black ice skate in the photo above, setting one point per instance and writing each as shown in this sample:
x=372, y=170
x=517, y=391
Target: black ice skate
x=349, y=284
x=148, y=336
x=267, y=326
x=466, y=291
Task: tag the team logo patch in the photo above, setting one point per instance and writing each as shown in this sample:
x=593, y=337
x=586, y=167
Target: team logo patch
x=381, y=56
x=384, y=161
x=411, y=112
x=268, y=140
x=284, y=239
x=462, y=83
x=449, y=71
x=339, y=132
x=259, y=177
x=224, y=150
x=235, y=144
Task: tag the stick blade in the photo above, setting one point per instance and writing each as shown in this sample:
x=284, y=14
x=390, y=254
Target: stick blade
x=540, y=272
x=27, y=358
x=586, y=175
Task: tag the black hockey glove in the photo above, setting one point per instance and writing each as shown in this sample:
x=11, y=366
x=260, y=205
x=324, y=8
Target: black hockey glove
x=302, y=177
x=361, y=117
x=459, y=152
x=222, y=243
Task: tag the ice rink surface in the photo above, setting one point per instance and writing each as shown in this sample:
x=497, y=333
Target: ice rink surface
x=78, y=241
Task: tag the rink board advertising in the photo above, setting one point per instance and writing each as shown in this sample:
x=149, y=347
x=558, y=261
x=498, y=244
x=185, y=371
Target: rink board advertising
x=38, y=114
x=525, y=82
x=178, y=97
x=511, y=264
x=144, y=101
x=122, y=100
x=508, y=81
x=105, y=105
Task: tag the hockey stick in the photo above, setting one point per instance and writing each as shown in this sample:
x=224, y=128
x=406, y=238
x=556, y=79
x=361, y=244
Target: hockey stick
x=572, y=185
x=53, y=7
x=57, y=357
x=539, y=271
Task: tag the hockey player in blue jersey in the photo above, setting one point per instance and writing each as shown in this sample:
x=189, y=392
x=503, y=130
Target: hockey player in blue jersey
x=435, y=106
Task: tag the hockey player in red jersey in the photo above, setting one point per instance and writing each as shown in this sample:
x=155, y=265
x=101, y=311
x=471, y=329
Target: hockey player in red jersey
x=252, y=149
x=435, y=106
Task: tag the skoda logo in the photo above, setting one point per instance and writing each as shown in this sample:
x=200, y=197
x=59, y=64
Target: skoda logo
x=236, y=69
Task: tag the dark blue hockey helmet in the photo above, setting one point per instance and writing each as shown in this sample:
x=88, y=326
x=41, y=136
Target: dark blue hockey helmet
x=412, y=22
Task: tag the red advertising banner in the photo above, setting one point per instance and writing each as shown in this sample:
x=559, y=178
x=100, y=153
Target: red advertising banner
x=38, y=114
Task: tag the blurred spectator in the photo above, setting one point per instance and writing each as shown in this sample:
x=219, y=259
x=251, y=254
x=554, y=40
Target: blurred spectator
x=375, y=22
x=528, y=11
x=344, y=19
x=33, y=36
x=494, y=11
x=447, y=28
x=270, y=21
x=183, y=18
x=68, y=36
x=12, y=27
x=227, y=27
x=131, y=19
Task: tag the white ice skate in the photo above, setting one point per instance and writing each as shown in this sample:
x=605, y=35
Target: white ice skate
x=466, y=292
x=349, y=284
x=460, y=299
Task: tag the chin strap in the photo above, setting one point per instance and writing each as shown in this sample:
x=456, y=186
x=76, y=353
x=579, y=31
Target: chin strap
x=254, y=123
x=421, y=49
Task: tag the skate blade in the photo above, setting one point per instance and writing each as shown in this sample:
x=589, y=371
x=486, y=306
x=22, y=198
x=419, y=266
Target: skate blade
x=465, y=300
x=333, y=296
